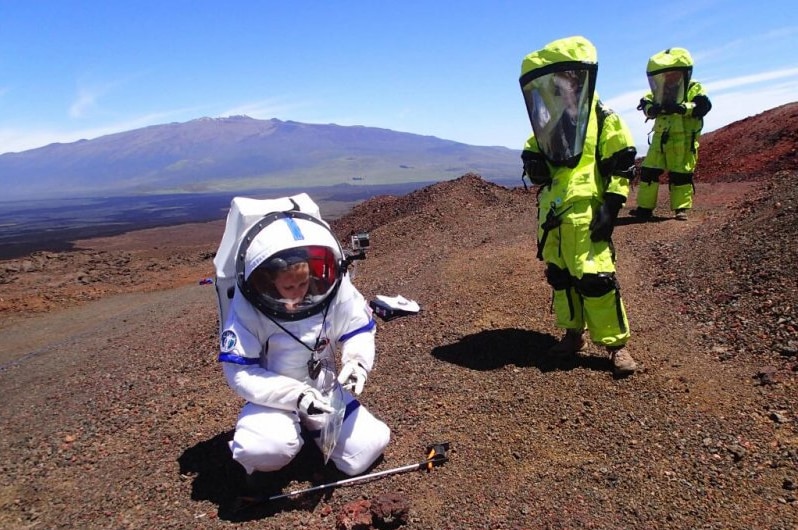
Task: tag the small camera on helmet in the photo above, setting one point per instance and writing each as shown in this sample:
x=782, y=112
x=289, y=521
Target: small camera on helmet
x=361, y=241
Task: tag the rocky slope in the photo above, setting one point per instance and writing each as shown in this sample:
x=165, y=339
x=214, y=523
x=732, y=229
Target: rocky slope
x=115, y=414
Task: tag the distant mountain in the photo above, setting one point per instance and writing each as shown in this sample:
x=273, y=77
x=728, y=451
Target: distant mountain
x=240, y=153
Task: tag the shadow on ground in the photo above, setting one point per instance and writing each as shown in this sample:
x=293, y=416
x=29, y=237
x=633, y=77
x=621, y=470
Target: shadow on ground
x=221, y=480
x=492, y=349
x=632, y=220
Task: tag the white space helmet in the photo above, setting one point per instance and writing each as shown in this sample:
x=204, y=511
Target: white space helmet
x=289, y=265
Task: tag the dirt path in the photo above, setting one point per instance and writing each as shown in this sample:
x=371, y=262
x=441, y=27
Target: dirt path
x=116, y=416
x=39, y=334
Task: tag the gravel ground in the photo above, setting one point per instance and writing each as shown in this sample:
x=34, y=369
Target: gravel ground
x=115, y=414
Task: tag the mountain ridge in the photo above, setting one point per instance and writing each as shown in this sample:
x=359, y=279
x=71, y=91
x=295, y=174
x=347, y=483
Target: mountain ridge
x=239, y=152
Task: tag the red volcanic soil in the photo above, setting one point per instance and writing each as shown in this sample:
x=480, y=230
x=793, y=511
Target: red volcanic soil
x=115, y=413
x=751, y=149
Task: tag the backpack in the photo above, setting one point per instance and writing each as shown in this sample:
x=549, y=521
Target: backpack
x=243, y=214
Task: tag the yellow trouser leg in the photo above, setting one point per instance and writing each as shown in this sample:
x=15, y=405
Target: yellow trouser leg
x=606, y=319
x=647, y=195
x=681, y=197
x=568, y=309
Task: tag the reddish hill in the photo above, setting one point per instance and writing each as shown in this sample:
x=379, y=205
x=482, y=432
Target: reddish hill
x=450, y=198
x=751, y=149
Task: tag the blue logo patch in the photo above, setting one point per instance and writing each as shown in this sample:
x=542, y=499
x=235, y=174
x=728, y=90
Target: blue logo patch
x=229, y=341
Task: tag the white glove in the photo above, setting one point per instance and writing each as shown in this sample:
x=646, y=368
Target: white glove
x=312, y=402
x=353, y=377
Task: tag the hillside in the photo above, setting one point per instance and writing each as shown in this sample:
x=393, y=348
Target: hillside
x=117, y=416
x=751, y=149
x=241, y=153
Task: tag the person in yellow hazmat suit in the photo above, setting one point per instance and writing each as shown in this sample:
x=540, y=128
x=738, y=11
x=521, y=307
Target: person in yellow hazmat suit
x=677, y=104
x=582, y=156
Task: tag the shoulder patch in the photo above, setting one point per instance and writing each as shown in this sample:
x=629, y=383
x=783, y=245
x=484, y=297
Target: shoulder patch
x=228, y=341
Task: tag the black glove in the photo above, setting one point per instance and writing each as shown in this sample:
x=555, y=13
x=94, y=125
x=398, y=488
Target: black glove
x=654, y=110
x=604, y=218
x=702, y=106
x=536, y=168
x=674, y=108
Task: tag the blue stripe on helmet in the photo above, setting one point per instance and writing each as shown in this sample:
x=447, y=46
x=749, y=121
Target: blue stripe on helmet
x=294, y=228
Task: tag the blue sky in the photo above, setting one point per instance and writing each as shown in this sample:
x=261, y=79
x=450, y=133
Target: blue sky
x=83, y=69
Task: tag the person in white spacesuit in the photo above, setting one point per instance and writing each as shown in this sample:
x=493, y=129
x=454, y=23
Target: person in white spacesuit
x=294, y=308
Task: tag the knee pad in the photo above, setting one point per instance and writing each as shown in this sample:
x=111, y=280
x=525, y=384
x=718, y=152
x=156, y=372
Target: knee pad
x=649, y=174
x=558, y=278
x=596, y=285
x=680, y=179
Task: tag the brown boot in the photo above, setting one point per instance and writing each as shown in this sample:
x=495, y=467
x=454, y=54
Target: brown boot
x=681, y=214
x=622, y=362
x=569, y=344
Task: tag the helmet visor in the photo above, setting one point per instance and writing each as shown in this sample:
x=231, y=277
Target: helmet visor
x=558, y=104
x=295, y=281
x=668, y=86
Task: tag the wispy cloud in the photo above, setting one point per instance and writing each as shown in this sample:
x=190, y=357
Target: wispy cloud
x=779, y=34
x=752, y=79
x=733, y=99
x=85, y=101
x=762, y=41
x=90, y=93
x=737, y=105
x=685, y=11
x=723, y=52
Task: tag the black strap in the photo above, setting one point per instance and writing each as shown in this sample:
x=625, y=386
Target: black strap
x=324, y=320
x=552, y=221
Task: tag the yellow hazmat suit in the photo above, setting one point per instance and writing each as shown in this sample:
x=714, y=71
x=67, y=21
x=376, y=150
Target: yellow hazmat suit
x=582, y=155
x=678, y=106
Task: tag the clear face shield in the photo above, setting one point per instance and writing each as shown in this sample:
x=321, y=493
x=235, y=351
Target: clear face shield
x=295, y=281
x=668, y=87
x=558, y=105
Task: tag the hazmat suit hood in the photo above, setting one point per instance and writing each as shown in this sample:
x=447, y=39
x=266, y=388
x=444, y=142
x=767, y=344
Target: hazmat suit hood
x=558, y=84
x=669, y=73
x=289, y=265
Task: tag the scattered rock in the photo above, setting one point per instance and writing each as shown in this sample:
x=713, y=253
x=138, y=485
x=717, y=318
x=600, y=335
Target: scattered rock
x=390, y=510
x=354, y=516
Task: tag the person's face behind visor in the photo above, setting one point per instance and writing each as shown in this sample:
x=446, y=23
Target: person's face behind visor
x=668, y=87
x=292, y=284
x=295, y=280
x=558, y=105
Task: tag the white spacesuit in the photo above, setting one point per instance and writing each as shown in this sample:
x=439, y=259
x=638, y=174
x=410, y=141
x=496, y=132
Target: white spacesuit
x=278, y=348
